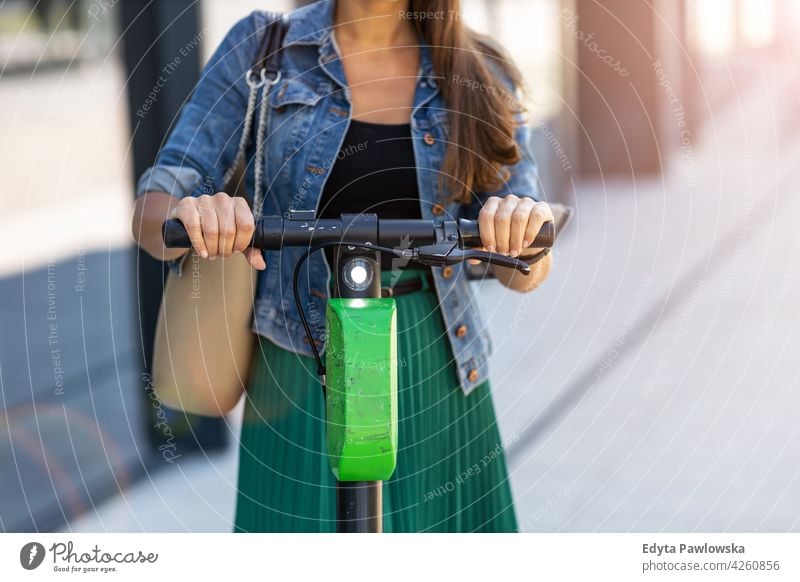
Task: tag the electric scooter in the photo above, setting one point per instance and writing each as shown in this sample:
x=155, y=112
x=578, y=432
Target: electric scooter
x=359, y=377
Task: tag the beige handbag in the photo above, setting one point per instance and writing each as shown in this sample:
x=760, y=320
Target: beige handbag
x=204, y=343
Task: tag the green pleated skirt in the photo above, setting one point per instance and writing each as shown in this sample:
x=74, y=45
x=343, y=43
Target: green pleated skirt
x=451, y=474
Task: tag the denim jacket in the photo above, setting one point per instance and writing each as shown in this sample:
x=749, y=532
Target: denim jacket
x=308, y=116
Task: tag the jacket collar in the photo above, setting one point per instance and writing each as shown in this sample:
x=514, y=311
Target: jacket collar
x=313, y=25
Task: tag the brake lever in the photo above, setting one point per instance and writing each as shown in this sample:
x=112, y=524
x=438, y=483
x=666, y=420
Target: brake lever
x=460, y=255
x=442, y=254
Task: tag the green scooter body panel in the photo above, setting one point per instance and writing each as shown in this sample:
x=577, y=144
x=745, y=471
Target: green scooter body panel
x=361, y=396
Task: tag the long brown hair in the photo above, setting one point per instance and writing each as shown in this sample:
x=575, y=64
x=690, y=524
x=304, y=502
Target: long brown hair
x=483, y=111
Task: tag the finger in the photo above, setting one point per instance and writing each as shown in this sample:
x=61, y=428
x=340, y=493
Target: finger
x=210, y=225
x=502, y=223
x=486, y=223
x=476, y=261
x=540, y=214
x=226, y=215
x=256, y=258
x=245, y=225
x=189, y=215
x=519, y=222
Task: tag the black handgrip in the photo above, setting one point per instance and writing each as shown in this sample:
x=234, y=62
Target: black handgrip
x=546, y=237
x=470, y=236
x=175, y=235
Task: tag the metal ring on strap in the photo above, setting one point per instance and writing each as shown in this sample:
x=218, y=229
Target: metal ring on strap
x=263, y=81
x=252, y=83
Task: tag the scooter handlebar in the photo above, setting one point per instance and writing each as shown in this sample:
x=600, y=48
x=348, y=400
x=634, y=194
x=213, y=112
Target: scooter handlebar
x=275, y=232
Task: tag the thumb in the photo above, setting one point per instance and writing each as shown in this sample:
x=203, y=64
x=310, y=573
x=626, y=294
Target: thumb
x=255, y=258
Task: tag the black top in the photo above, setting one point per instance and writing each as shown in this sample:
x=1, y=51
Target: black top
x=374, y=172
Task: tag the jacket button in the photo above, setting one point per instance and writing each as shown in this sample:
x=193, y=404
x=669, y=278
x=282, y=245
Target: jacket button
x=429, y=139
x=437, y=209
x=447, y=272
x=461, y=331
x=473, y=375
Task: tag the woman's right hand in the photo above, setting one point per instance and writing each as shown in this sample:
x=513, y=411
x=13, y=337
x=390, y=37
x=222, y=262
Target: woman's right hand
x=219, y=226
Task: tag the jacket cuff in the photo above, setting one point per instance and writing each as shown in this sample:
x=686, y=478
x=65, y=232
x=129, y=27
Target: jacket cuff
x=178, y=181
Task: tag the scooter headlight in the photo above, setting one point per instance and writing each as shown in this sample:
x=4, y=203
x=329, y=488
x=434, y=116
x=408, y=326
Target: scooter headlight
x=358, y=274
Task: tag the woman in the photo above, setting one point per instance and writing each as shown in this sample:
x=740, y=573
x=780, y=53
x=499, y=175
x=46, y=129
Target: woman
x=384, y=106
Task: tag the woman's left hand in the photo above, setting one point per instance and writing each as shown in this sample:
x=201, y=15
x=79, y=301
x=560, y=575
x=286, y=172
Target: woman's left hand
x=509, y=224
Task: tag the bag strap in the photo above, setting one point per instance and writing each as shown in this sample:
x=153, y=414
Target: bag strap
x=261, y=77
x=269, y=55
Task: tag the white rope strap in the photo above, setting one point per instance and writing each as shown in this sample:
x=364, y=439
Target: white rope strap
x=258, y=195
x=248, y=122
